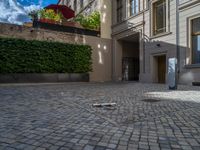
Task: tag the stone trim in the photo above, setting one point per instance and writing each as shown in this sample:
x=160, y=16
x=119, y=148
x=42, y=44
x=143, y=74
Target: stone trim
x=43, y=77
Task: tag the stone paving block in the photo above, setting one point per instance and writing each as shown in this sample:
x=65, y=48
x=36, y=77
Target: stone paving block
x=89, y=147
x=100, y=148
x=60, y=116
x=8, y=148
x=54, y=147
x=41, y=148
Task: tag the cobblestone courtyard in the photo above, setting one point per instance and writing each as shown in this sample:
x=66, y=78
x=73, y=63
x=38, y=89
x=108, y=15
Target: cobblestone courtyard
x=61, y=116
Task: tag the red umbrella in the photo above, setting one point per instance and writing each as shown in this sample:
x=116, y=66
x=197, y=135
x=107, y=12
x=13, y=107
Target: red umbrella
x=66, y=11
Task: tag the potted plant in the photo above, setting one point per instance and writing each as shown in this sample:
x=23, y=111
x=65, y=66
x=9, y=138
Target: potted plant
x=49, y=16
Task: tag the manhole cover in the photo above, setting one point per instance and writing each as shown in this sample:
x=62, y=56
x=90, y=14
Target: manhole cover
x=151, y=100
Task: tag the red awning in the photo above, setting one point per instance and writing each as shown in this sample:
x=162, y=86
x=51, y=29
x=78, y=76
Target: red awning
x=66, y=11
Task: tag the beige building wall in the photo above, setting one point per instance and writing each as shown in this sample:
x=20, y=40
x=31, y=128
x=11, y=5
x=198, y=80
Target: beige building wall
x=106, y=18
x=153, y=46
x=188, y=11
x=101, y=54
x=101, y=58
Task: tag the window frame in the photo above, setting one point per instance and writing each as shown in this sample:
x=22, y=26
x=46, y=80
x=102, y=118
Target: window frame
x=75, y=5
x=81, y=4
x=136, y=11
x=192, y=34
x=152, y=18
x=119, y=9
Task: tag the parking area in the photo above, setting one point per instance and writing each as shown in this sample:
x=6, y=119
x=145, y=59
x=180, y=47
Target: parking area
x=62, y=116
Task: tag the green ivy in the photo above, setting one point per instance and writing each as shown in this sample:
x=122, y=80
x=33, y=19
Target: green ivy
x=24, y=56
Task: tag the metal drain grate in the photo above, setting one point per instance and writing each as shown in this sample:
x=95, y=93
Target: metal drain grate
x=151, y=100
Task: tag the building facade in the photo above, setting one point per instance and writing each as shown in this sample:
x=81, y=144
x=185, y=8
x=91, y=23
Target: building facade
x=147, y=33
x=86, y=7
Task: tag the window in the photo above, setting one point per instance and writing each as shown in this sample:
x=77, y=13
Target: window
x=134, y=7
x=119, y=10
x=75, y=5
x=159, y=17
x=81, y=3
x=196, y=40
x=67, y=2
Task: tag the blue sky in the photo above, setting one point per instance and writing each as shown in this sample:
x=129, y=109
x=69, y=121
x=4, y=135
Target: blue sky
x=16, y=11
x=42, y=3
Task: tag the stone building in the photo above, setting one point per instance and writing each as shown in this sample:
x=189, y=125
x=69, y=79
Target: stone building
x=86, y=7
x=146, y=33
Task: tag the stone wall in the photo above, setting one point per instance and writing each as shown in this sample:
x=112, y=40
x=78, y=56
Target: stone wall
x=101, y=55
x=16, y=31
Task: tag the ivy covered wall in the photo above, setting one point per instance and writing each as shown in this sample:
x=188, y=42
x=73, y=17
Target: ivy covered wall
x=31, y=56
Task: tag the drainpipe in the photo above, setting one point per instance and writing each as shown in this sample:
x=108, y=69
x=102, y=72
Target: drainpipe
x=177, y=45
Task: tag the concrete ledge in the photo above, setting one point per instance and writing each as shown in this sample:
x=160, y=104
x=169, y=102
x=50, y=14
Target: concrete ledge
x=43, y=77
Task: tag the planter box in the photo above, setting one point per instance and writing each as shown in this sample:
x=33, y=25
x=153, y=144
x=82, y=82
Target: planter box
x=43, y=77
x=69, y=27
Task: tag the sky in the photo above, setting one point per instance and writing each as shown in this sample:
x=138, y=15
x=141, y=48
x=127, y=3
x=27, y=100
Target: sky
x=16, y=11
x=42, y=3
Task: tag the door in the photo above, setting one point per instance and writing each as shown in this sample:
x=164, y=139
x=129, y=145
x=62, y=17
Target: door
x=161, y=69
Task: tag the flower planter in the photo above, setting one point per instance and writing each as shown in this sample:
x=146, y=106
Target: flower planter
x=65, y=27
x=47, y=21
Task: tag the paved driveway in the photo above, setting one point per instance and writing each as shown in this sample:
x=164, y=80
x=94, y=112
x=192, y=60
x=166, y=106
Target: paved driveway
x=61, y=116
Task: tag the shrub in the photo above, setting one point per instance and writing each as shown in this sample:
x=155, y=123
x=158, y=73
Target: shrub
x=23, y=56
x=92, y=21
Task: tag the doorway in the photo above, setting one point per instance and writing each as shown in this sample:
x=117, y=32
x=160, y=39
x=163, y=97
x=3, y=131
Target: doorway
x=161, y=65
x=130, y=58
x=130, y=68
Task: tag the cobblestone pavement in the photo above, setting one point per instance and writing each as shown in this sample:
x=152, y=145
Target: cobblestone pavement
x=61, y=116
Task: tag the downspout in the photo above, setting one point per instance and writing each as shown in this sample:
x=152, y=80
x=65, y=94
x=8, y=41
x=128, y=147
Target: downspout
x=143, y=41
x=113, y=44
x=177, y=44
